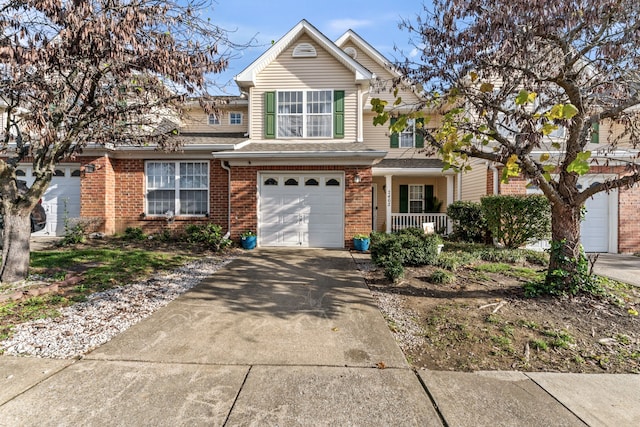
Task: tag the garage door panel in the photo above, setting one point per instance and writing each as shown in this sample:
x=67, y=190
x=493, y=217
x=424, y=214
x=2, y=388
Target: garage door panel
x=594, y=230
x=301, y=215
x=61, y=201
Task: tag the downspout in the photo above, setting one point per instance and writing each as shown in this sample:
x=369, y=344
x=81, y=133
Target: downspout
x=225, y=166
x=496, y=178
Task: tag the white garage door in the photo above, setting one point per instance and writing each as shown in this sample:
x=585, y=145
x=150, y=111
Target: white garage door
x=61, y=200
x=595, y=227
x=301, y=209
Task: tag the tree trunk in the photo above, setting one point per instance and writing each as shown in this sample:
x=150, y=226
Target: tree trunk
x=15, y=248
x=566, y=257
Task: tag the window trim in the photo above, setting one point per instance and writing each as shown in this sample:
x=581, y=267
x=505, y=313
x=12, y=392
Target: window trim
x=216, y=121
x=177, y=188
x=231, y=120
x=306, y=115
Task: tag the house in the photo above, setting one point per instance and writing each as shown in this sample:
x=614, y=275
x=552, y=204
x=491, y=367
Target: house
x=295, y=157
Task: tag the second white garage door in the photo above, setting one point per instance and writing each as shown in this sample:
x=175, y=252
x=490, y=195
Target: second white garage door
x=301, y=209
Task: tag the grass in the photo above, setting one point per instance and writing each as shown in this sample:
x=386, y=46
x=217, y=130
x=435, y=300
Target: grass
x=101, y=269
x=106, y=267
x=510, y=270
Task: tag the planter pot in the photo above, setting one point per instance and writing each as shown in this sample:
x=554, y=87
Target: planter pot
x=249, y=242
x=361, y=244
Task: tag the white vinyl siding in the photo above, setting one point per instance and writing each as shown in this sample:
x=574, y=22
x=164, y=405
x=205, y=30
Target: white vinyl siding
x=196, y=120
x=178, y=188
x=286, y=73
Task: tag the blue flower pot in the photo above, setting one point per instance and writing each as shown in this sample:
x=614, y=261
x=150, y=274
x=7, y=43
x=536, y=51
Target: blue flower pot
x=249, y=242
x=361, y=244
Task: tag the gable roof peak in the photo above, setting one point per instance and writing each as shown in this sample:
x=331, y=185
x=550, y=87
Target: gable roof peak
x=362, y=44
x=248, y=76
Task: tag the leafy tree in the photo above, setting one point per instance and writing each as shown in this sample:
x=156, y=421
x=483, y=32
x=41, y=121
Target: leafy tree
x=92, y=71
x=525, y=84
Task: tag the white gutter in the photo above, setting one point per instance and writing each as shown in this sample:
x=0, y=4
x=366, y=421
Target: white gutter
x=299, y=154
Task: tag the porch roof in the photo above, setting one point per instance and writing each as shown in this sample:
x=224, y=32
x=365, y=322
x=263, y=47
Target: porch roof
x=350, y=152
x=422, y=166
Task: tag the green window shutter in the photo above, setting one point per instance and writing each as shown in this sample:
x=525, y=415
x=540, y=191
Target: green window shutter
x=419, y=135
x=269, y=115
x=595, y=134
x=394, y=139
x=428, y=198
x=338, y=114
x=404, y=199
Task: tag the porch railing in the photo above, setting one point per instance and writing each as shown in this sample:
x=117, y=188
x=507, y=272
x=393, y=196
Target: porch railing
x=440, y=221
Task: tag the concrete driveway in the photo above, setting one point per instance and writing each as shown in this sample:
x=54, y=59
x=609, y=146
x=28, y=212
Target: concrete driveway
x=278, y=337
x=289, y=338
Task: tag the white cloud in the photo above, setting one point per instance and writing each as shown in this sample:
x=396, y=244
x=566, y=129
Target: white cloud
x=339, y=26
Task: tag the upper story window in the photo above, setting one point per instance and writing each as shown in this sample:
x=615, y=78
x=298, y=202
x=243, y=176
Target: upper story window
x=177, y=188
x=409, y=137
x=214, y=119
x=235, y=118
x=305, y=114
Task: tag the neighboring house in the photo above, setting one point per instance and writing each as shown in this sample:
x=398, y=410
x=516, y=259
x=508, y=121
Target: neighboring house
x=612, y=220
x=295, y=157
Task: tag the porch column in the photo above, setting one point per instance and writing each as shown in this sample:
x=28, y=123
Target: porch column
x=449, y=198
x=388, y=202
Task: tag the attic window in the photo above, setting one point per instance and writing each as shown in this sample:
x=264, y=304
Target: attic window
x=351, y=51
x=304, y=50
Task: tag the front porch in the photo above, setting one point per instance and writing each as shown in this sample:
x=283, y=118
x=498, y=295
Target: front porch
x=410, y=192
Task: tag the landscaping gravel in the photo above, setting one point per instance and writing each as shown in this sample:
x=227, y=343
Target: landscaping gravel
x=84, y=326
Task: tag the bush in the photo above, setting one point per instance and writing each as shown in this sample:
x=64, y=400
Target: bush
x=515, y=220
x=209, y=234
x=469, y=224
x=134, y=233
x=452, y=260
x=442, y=277
x=410, y=246
x=407, y=247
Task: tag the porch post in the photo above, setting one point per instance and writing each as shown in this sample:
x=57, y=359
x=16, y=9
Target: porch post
x=388, y=202
x=449, y=198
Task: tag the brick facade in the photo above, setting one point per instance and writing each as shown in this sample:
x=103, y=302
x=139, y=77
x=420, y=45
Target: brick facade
x=244, y=197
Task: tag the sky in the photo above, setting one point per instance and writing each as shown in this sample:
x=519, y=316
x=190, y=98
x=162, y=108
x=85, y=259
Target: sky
x=376, y=21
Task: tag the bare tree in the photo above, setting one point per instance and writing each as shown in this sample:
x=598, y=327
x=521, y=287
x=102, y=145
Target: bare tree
x=525, y=84
x=83, y=72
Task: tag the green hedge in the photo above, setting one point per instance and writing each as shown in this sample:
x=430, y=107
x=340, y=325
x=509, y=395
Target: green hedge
x=468, y=220
x=515, y=220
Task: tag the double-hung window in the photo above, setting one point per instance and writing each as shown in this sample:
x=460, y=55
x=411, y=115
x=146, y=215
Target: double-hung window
x=178, y=188
x=305, y=114
x=407, y=136
x=410, y=137
x=416, y=198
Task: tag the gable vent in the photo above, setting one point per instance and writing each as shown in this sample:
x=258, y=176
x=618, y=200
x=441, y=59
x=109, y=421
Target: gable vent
x=351, y=51
x=304, y=50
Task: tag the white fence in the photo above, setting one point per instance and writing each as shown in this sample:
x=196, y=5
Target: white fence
x=401, y=221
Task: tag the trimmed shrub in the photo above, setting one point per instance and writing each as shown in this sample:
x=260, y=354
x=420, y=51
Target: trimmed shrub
x=406, y=247
x=515, y=220
x=209, y=234
x=469, y=224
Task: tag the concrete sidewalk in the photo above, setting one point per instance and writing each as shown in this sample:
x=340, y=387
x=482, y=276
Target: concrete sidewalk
x=288, y=337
